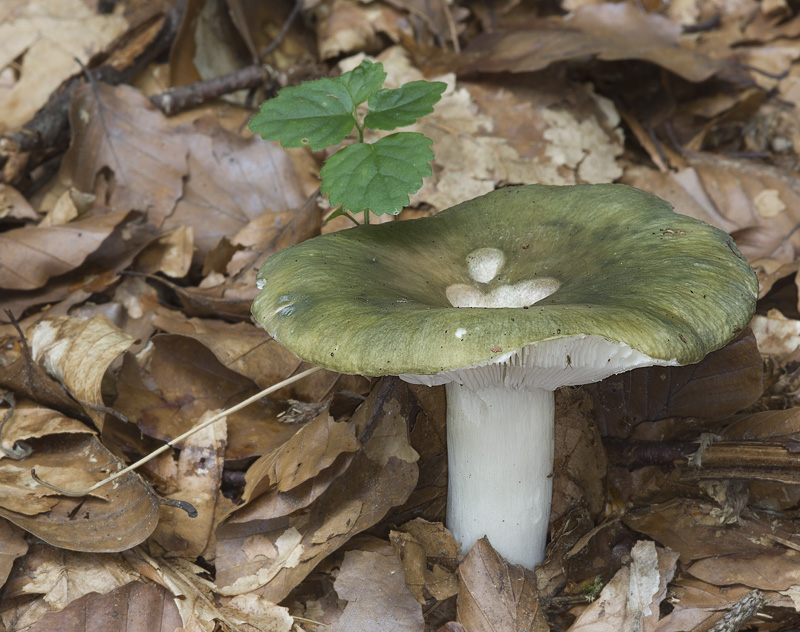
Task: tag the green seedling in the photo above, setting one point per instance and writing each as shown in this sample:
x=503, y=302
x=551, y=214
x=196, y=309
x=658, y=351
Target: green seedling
x=360, y=177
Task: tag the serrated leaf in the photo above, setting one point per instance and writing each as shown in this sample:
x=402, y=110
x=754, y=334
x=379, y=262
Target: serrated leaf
x=363, y=81
x=377, y=177
x=404, y=105
x=318, y=114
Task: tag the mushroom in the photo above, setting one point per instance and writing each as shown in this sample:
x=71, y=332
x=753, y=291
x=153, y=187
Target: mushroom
x=504, y=299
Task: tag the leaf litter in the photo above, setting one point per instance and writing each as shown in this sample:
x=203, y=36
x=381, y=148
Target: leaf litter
x=128, y=264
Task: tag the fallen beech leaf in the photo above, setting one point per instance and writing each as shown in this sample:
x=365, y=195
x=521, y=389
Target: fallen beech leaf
x=167, y=390
x=116, y=127
x=630, y=601
x=690, y=528
x=30, y=421
x=116, y=517
x=12, y=546
x=134, y=606
x=378, y=599
x=311, y=449
x=29, y=257
x=415, y=545
x=13, y=204
x=232, y=181
x=49, y=37
x=777, y=335
x=373, y=482
x=252, y=613
x=609, y=31
x=198, y=480
x=767, y=569
x=718, y=386
x=63, y=576
x=496, y=596
x=77, y=352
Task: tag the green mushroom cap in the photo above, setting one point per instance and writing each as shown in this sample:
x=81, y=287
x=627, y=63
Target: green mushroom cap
x=517, y=267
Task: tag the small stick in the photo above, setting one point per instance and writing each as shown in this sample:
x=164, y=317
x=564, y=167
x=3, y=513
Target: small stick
x=170, y=444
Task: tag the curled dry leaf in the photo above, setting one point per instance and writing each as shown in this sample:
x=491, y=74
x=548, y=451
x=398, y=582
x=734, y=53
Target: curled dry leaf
x=311, y=449
x=378, y=599
x=608, y=30
x=117, y=128
x=134, y=606
x=77, y=352
x=775, y=569
x=381, y=475
x=116, y=517
x=30, y=257
x=496, y=596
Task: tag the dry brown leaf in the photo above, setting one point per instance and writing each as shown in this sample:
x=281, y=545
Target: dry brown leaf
x=777, y=335
x=14, y=205
x=167, y=390
x=718, y=386
x=134, y=606
x=117, y=128
x=580, y=464
x=311, y=449
x=381, y=475
x=496, y=596
x=630, y=601
x=171, y=253
x=248, y=350
x=30, y=257
x=42, y=39
x=378, y=599
x=610, y=31
x=77, y=352
x=767, y=569
x=114, y=518
x=59, y=577
x=198, y=478
x=347, y=27
x=252, y=613
x=232, y=182
x=12, y=546
x=418, y=541
x=698, y=605
x=692, y=528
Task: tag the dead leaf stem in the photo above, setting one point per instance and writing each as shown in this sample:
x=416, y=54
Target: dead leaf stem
x=185, y=435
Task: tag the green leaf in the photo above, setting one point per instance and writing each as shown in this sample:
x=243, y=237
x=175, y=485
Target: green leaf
x=364, y=81
x=377, y=177
x=318, y=113
x=394, y=108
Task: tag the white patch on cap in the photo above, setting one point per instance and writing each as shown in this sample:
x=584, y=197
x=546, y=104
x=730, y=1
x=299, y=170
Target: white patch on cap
x=460, y=332
x=485, y=263
x=520, y=294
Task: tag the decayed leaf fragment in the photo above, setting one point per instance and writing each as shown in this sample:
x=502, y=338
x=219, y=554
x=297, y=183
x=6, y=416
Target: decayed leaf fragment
x=496, y=596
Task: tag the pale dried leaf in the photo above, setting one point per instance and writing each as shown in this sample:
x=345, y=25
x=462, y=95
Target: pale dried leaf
x=77, y=352
x=496, y=596
x=48, y=37
x=630, y=601
x=12, y=546
x=378, y=599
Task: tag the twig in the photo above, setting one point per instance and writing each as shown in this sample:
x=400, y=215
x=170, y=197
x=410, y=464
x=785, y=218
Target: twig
x=170, y=444
x=178, y=99
x=742, y=611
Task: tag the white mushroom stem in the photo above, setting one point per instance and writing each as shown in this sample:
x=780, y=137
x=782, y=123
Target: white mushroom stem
x=500, y=460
